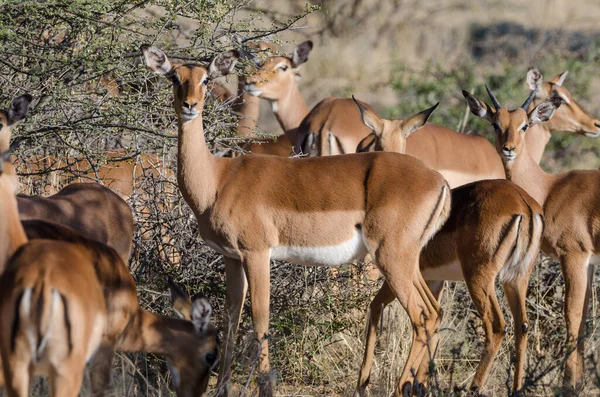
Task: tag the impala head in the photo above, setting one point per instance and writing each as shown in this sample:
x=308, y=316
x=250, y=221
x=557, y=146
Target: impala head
x=191, y=370
x=511, y=126
x=189, y=81
x=11, y=116
x=570, y=117
x=277, y=73
x=389, y=135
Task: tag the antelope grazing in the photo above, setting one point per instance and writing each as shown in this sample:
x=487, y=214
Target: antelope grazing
x=570, y=203
x=334, y=127
x=46, y=286
x=92, y=210
x=494, y=231
x=387, y=204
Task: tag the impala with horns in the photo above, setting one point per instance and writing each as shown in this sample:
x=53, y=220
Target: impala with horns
x=384, y=203
x=93, y=210
x=572, y=213
x=334, y=127
x=494, y=231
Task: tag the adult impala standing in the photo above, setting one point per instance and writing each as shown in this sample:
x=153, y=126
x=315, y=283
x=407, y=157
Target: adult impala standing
x=572, y=214
x=255, y=208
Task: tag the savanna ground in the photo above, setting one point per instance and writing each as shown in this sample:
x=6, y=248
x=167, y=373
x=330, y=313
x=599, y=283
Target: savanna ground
x=399, y=55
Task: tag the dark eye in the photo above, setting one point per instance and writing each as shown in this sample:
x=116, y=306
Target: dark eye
x=283, y=67
x=524, y=128
x=211, y=358
x=205, y=81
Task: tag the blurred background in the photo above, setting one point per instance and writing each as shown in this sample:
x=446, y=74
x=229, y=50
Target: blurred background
x=81, y=61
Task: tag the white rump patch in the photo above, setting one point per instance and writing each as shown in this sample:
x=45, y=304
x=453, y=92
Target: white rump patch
x=519, y=261
x=333, y=255
x=25, y=316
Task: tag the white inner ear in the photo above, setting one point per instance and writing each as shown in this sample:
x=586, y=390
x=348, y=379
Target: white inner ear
x=534, y=79
x=201, y=313
x=174, y=373
x=564, y=98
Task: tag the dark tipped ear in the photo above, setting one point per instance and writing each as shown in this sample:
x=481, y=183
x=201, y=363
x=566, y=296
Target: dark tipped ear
x=201, y=314
x=180, y=300
x=534, y=79
x=417, y=121
x=223, y=64
x=478, y=107
x=560, y=78
x=544, y=111
x=369, y=118
x=301, y=53
x=19, y=108
x=308, y=144
x=156, y=60
x=367, y=144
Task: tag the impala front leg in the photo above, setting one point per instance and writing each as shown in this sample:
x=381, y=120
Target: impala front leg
x=236, y=287
x=257, y=267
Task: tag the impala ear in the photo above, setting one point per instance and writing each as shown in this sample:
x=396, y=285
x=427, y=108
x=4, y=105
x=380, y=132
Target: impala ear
x=367, y=144
x=308, y=144
x=560, y=78
x=156, y=60
x=201, y=313
x=180, y=300
x=544, y=111
x=301, y=53
x=417, y=121
x=478, y=107
x=534, y=79
x=19, y=108
x=369, y=118
x=223, y=64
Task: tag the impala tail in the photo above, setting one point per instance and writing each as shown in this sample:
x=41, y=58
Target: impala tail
x=440, y=214
x=36, y=317
x=520, y=246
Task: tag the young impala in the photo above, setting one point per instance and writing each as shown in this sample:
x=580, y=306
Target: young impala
x=322, y=211
x=494, y=231
x=571, y=209
x=60, y=279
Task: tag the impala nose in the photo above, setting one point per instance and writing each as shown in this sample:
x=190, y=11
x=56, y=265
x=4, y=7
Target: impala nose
x=187, y=105
x=508, y=150
x=597, y=125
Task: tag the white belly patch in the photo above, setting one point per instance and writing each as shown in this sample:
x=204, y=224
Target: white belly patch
x=333, y=255
x=448, y=271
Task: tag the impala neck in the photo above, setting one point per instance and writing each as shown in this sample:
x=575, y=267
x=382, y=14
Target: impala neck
x=248, y=107
x=290, y=110
x=152, y=333
x=527, y=173
x=536, y=139
x=197, y=168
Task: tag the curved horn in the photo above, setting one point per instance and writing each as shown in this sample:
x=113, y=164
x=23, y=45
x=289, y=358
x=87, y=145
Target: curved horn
x=495, y=102
x=527, y=102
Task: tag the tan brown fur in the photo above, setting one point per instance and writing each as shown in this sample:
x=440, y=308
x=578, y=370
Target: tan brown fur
x=494, y=227
x=570, y=202
x=391, y=200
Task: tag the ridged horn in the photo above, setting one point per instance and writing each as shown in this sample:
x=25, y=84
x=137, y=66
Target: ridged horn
x=495, y=102
x=527, y=102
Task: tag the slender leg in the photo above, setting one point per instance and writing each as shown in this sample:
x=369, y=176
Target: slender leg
x=582, y=326
x=257, y=267
x=436, y=287
x=67, y=384
x=575, y=275
x=18, y=376
x=100, y=369
x=483, y=294
x=236, y=287
x=383, y=298
x=516, y=293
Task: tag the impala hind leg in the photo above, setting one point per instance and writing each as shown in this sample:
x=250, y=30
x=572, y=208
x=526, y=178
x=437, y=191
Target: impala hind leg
x=67, y=382
x=436, y=287
x=18, y=375
x=582, y=327
x=257, y=267
x=383, y=298
x=576, y=282
x=516, y=294
x=236, y=287
x=483, y=293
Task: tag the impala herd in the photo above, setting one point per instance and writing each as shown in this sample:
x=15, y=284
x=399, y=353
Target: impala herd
x=435, y=205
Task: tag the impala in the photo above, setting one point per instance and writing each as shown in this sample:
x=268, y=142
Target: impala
x=255, y=208
x=92, y=210
x=494, y=231
x=570, y=202
x=334, y=127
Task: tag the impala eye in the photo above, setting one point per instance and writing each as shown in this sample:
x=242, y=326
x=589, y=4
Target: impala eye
x=524, y=128
x=283, y=67
x=205, y=81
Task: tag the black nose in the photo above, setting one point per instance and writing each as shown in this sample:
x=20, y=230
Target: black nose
x=186, y=104
x=211, y=358
x=508, y=148
x=597, y=125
